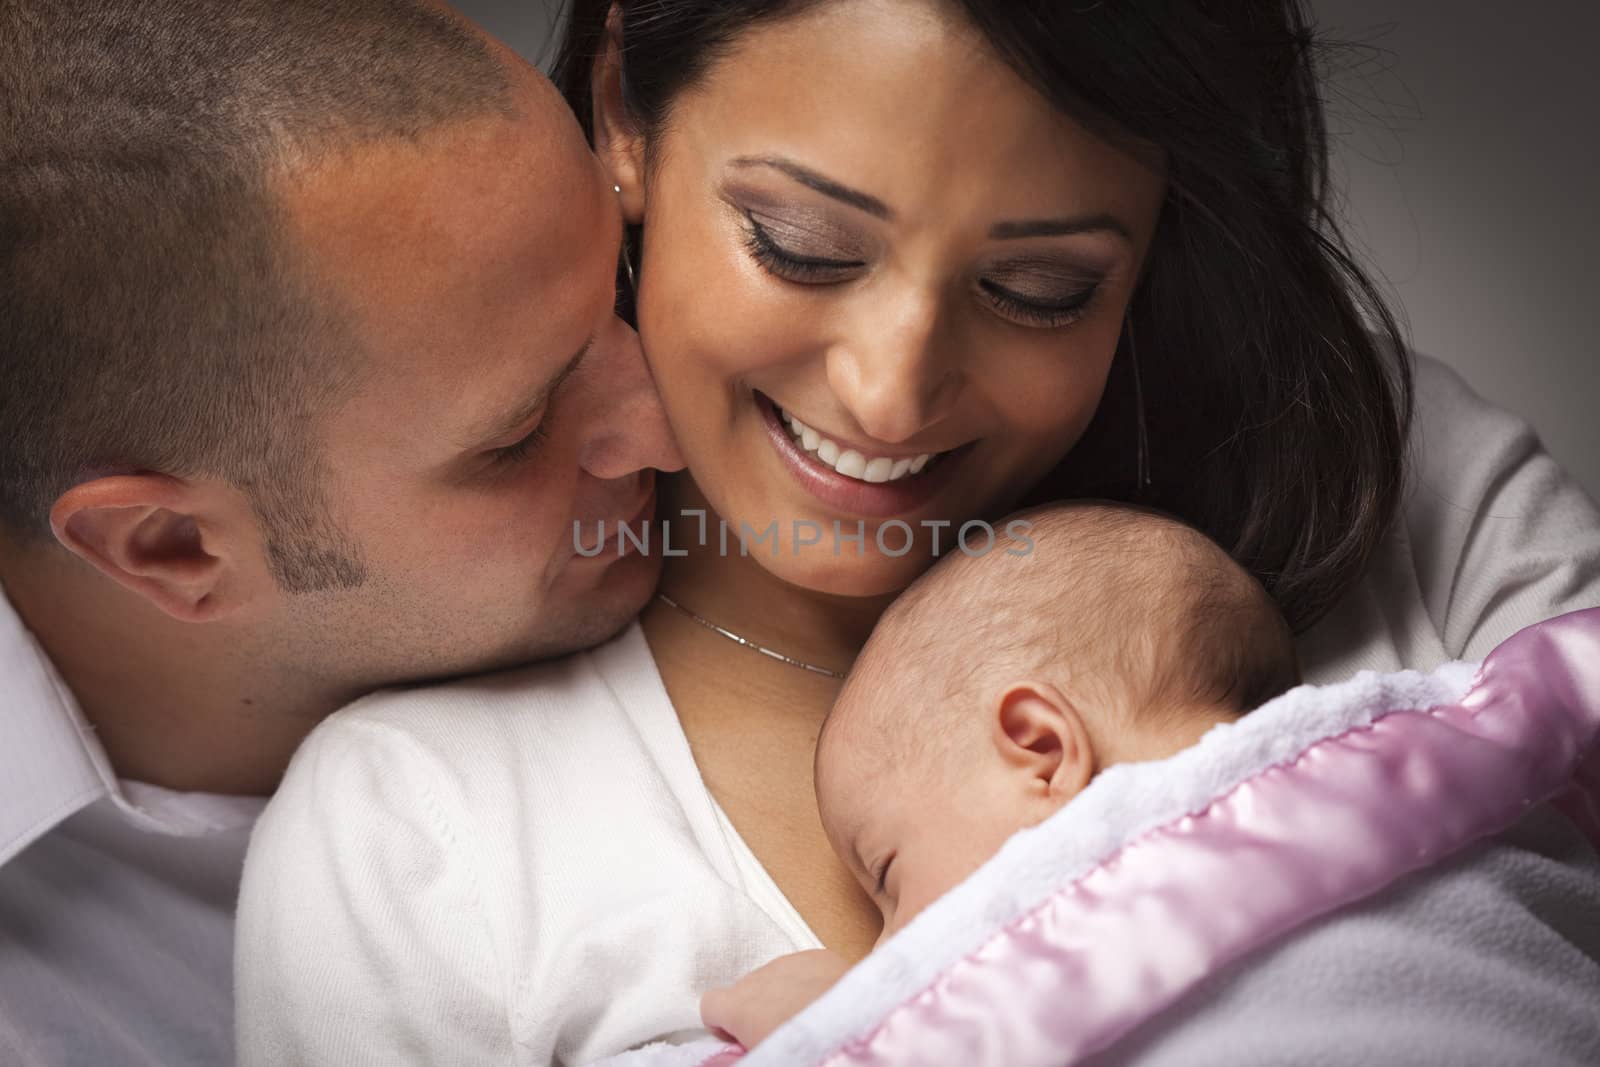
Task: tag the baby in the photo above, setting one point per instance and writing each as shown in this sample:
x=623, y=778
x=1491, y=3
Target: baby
x=996, y=687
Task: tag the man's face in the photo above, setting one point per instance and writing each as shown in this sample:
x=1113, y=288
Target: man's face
x=498, y=399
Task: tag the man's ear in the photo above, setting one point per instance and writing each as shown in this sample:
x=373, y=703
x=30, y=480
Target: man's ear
x=617, y=139
x=1039, y=731
x=180, y=545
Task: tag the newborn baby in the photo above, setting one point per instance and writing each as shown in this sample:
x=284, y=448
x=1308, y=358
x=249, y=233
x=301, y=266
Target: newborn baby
x=996, y=687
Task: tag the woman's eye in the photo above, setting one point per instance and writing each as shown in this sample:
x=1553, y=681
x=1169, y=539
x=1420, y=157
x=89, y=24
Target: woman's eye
x=791, y=265
x=1038, y=311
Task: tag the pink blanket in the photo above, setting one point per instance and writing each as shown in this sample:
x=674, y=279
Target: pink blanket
x=1095, y=923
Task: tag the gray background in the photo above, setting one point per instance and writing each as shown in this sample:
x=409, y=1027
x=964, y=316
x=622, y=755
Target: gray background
x=1467, y=144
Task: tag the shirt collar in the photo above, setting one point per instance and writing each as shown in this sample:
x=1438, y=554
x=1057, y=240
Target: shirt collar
x=52, y=765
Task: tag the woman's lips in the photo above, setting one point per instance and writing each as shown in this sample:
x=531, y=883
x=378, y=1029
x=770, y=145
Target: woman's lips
x=854, y=496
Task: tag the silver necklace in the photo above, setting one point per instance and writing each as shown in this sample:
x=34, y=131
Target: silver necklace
x=747, y=643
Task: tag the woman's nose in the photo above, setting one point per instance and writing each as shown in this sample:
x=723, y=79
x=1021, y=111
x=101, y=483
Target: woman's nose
x=899, y=373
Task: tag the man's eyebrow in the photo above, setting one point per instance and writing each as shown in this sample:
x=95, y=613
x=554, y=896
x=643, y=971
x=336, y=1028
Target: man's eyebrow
x=826, y=186
x=1102, y=223
x=505, y=425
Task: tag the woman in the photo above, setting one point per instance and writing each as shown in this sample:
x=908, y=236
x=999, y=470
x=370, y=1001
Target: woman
x=906, y=264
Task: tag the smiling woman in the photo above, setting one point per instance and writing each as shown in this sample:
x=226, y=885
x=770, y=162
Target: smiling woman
x=966, y=326
x=1097, y=230
x=910, y=263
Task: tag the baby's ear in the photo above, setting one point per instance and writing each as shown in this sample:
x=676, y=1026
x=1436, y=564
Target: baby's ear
x=1040, y=732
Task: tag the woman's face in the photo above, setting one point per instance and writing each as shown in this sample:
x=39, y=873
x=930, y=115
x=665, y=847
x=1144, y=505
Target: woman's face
x=862, y=220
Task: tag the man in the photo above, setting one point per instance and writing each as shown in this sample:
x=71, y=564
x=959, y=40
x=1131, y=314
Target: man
x=308, y=365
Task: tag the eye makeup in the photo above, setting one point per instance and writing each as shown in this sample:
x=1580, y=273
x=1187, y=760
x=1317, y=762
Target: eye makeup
x=805, y=245
x=798, y=242
x=1044, y=291
x=1044, y=314
x=781, y=258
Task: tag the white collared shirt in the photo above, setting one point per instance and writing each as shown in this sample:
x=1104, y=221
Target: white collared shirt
x=116, y=898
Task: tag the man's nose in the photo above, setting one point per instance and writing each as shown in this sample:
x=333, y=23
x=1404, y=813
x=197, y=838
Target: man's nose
x=895, y=373
x=625, y=428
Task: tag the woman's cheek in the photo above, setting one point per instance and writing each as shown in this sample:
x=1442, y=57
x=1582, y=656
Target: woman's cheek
x=720, y=322
x=1054, y=389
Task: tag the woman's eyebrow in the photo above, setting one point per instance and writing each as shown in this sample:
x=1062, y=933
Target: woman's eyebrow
x=826, y=186
x=1102, y=223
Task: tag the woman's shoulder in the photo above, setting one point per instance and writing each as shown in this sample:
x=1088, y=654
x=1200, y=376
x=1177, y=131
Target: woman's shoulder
x=537, y=710
x=1493, y=536
x=1499, y=534
x=1459, y=439
x=527, y=739
x=1471, y=459
x=526, y=860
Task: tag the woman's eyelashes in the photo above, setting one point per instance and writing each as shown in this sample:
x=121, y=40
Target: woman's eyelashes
x=1048, y=313
x=1041, y=290
x=794, y=254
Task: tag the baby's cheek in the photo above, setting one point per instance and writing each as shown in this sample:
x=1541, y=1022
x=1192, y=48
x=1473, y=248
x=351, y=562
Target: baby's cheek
x=924, y=880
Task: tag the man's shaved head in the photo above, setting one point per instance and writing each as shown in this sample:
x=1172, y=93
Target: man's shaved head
x=156, y=315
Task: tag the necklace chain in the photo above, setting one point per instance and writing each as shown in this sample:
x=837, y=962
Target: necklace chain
x=747, y=643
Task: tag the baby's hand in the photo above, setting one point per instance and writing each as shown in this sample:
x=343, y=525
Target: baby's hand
x=764, y=999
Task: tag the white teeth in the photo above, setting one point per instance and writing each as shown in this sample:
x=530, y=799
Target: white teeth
x=878, y=470
x=849, y=462
x=852, y=464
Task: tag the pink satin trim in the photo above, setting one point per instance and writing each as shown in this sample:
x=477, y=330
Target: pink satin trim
x=1349, y=816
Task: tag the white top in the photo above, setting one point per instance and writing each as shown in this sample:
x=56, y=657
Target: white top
x=1494, y=537
x=116, y=898
x=529, y=868
x=525, y=868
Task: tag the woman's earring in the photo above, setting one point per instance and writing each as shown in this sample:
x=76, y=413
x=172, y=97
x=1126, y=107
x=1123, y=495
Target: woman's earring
x=1141, y=430
x=627, y=259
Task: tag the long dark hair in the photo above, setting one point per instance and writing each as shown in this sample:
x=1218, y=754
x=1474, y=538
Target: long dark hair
x=1262, y=387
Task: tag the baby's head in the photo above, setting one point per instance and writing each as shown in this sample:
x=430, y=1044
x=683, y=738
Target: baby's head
x=996, y=687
